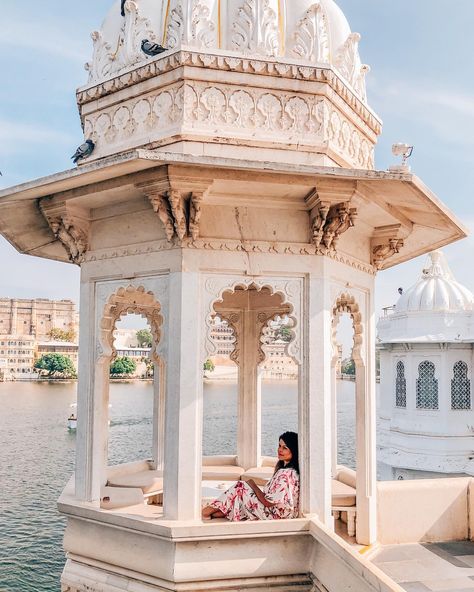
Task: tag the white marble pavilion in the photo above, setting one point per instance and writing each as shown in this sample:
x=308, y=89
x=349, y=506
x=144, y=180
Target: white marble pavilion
x=233, y=174
x=426, y=356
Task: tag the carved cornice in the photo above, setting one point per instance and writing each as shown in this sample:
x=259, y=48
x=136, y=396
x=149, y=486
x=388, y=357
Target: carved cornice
x=248, y=65
x=70, y=225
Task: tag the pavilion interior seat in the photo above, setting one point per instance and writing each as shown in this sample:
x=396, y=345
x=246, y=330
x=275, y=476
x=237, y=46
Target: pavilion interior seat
x=138, y=475
x=261, y=475
x=150, y=482
x=120, y=497
x=344, y=487
x=344, y=498
x=221, y=468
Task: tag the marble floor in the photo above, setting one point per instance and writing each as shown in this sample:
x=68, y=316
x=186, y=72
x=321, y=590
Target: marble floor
x=435, y=567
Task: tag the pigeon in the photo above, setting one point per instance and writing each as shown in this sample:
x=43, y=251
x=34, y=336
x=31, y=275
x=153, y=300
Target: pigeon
x=152, y=49
x=122, y=8
x=83, y=151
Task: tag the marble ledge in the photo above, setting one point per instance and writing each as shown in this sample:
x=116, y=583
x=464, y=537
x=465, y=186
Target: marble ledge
x=141, y=159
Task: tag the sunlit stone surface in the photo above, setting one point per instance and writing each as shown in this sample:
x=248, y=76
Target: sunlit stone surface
x=231, y=175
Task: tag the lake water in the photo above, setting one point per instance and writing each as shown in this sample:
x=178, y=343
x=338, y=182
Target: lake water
x=37, y=458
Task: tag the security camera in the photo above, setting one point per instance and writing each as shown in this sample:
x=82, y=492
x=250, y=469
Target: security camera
x=405, y=151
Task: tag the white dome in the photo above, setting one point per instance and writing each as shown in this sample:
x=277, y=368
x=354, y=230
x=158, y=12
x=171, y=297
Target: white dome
x=436, y=291
x=306, y=31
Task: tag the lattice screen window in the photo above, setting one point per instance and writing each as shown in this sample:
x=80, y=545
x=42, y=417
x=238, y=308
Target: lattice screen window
x=460, y=387
x=426, y=387
x=400, y=386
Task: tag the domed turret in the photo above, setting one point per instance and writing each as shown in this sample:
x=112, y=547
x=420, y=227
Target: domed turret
x=308, y=31
x=435, y=309
x=437, y=290
x=280, y=77
x=426, y=366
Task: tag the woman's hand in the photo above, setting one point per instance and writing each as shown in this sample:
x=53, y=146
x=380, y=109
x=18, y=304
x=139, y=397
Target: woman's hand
x=259, y=493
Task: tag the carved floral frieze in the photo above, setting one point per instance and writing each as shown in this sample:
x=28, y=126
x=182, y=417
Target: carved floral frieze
x=228, y=245
x=236, y=64
x=267, y=28
x=226, y=111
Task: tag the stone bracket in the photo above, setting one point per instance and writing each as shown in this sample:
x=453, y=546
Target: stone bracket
x=70, y=225
x=330, y=217
x=385, y=242
x=178, y=205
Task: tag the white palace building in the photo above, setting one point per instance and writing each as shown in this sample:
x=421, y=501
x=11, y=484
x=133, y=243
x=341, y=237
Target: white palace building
x=426, y=361
x=232, y=176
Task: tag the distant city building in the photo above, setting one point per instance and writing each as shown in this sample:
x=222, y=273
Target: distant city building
x=277, y=365
x=17, y=356
x=426, y=352
x=37, y=317
x=27, y=332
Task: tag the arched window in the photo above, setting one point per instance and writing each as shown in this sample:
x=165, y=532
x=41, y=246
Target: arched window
x=426, y=386
x=400, y=386
x=460, y=387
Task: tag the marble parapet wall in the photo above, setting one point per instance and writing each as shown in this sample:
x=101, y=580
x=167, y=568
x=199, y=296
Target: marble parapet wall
x=217, y=104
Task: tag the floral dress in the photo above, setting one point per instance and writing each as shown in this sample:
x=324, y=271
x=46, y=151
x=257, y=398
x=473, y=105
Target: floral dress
x=239, y=502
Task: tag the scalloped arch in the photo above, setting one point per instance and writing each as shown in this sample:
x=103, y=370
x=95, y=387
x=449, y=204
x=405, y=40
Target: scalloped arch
x=286, y=289
x=346, y=302
x=127, y=300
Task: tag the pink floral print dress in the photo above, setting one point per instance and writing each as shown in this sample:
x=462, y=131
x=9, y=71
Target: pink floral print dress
x=240, y=503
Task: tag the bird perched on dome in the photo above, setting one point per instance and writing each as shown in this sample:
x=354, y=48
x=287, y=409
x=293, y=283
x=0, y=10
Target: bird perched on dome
x=122, y=8
x=83, y=151
x=152, y=49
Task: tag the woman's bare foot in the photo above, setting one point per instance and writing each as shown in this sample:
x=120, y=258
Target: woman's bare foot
x=208, y=513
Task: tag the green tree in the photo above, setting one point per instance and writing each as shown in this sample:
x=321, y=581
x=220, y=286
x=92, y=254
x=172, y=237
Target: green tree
x=56, y=365
x=62, y=334
x=123, y=366
x=150, y=367
x=144, y=337
x=348, y=366
x=284, y=334
x=209, y=366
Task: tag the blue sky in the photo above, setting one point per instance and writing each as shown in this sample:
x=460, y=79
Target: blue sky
x=421, y=84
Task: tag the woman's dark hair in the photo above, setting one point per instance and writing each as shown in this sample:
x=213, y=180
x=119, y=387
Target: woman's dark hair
x=291, y=440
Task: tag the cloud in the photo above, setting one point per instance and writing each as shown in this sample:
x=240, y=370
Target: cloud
x=449, y=114
x=43, y=38
x=15, y=135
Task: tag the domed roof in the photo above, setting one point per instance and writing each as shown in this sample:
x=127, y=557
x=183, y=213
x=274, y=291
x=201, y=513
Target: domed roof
x=305, y=31
x=435, y=291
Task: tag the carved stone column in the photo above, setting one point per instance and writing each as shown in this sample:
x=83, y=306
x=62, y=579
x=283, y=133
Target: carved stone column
x=184, y=394
x=159, y=394
x=314, y=411
x=248, y=323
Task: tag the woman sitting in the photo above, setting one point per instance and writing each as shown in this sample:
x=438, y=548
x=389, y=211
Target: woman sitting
x=277, y=500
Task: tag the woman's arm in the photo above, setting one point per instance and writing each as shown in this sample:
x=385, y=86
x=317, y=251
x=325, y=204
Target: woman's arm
x=259, y=493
